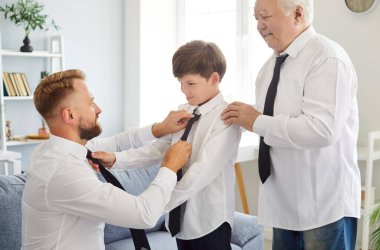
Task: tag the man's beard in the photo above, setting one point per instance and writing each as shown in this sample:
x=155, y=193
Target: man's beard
x=86, y=133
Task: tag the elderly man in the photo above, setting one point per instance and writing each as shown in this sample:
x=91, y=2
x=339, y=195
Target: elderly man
x=64, y=205
x=307, y=117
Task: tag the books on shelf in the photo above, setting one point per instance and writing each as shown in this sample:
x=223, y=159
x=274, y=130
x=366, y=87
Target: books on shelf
x=16, y=84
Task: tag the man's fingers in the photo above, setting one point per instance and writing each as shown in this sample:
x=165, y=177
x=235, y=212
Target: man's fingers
x=230, y=114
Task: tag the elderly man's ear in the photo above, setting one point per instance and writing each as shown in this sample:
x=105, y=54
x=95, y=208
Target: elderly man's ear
x=298, y=14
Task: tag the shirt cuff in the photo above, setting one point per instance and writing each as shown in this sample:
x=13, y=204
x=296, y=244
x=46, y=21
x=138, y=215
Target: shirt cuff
x=119, y=158
x=167, y=175
x=261, y=124
x=146, y=134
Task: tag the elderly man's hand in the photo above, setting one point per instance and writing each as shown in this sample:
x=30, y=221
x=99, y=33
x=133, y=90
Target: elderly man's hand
x=240, y=113
x=174, y=122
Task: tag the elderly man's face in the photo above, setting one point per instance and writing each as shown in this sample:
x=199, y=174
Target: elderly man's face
x=277, y=29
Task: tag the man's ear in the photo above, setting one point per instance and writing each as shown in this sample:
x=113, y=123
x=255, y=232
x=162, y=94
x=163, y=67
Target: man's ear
x=298, y=14
x=67, y=116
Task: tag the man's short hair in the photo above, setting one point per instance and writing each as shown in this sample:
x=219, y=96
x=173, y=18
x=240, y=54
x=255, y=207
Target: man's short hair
x=53, y=89
x=290, y=5
x=199, y=57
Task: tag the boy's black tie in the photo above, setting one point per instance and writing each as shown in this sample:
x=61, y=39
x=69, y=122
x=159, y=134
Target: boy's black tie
x=175, y=214
x=264, y=156
x=138, y=235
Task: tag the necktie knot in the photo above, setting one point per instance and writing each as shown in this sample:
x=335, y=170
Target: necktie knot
x=190, y=124
x=280, y=60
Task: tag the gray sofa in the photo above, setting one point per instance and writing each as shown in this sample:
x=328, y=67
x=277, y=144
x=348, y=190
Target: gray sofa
x=246, y=233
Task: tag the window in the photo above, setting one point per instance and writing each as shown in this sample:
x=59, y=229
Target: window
x=230, y=24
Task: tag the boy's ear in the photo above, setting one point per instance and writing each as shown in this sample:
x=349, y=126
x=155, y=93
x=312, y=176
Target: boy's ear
x=214, y=78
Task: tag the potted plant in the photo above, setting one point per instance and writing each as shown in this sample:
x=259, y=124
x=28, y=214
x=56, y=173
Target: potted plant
x=375, y=221
x=28, y=15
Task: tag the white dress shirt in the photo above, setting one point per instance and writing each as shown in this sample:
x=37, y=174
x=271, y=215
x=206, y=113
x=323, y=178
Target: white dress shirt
x=65, y=206
x=208, y=182
x=315, y=179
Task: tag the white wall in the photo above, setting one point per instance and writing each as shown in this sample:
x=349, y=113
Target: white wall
x=94, y=42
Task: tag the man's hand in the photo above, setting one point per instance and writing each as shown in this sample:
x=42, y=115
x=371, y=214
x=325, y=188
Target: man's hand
x=177, y=156
x=174, y=122
x=240, y=113
x=107, y=158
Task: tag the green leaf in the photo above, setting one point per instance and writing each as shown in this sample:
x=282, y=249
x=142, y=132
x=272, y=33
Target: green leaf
x=28, y=14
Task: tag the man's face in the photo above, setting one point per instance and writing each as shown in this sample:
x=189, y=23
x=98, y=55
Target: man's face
x=87, y=112
x=198, y=89
x=277, y=29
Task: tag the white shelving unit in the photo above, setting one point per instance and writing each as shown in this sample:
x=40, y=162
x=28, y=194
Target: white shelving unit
x=368, y=154
x=53, y=60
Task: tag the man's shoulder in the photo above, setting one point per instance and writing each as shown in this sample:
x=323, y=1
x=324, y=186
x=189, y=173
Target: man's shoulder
x=326, y=46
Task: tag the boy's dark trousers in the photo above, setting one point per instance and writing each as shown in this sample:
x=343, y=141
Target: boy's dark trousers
x=219, y=239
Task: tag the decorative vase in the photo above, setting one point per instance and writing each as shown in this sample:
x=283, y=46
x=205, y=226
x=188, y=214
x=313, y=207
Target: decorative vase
x=26, y=47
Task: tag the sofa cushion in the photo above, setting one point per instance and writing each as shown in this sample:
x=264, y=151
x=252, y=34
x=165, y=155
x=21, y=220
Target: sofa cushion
x=134, y=181
x=247, y=229
x=11, y=188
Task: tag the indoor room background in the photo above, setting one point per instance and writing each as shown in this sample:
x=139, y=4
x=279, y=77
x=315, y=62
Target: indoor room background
x=125, y=49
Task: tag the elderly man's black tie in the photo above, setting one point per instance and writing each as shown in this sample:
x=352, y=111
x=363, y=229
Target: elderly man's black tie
x=264, y=155
x=138, y=235
x=175, y=214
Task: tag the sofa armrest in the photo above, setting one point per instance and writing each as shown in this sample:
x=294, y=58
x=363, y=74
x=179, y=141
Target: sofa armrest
x=246, y=229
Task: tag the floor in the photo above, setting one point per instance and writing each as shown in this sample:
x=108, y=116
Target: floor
x=267, y=244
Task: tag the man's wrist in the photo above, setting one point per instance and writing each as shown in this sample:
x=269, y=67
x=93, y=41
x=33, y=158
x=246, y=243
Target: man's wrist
x=170, y=168
x=157, y=130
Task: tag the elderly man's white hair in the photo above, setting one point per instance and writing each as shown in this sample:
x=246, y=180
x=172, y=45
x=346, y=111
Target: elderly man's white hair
x=290, y=5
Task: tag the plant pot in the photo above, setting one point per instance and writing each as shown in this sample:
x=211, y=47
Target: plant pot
x=26, y=47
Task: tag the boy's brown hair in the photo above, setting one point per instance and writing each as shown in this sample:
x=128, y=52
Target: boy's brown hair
x=53, y=89
x=199, y=57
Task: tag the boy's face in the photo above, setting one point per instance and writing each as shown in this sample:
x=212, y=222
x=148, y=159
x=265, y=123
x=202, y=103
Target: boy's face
x=198, y=89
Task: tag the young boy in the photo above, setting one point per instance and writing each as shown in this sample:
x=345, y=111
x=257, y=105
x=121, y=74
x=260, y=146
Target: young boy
x=206, y=190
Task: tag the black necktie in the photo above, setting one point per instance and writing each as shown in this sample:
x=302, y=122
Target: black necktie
x=175, y=214
x=264, y=156
x=138, y=235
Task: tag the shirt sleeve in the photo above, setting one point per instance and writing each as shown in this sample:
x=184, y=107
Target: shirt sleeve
x=147, y=155
x=219, y=152
x=75, y=190
x=326, y=103
x=132, y=138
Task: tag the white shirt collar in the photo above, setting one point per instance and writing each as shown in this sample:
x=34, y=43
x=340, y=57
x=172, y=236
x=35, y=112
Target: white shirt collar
x=77, y=150
x=210, y=105
x=299, y=43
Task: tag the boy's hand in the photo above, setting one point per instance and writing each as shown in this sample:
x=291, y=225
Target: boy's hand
x=107, y=158
x=174, y=122
x=177, y=156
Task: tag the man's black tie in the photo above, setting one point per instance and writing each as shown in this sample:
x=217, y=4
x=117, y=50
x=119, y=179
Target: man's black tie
x=264, y=156
x=175, y=214
x=138, y=235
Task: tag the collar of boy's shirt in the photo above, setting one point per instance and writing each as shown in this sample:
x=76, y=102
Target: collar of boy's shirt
x=208, y=106
x=66, y=146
